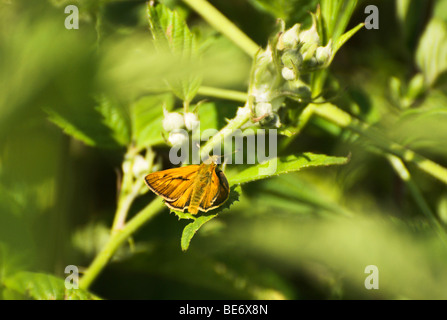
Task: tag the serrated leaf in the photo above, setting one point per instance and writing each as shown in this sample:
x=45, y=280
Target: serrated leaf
x=115, y=118
x=147, y=117
x=42, y=286
x=104, y=126
x=170, y=30
x=69, y=128
x=283, y=165
x=171, y=34
x=190, y=230
x=186, y=89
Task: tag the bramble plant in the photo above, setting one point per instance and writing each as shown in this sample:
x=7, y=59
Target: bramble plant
x=154, y=93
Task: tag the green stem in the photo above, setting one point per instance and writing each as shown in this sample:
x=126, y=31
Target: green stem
x=124, y=205
x=222, y=93
x=117, y=239
x=218, y=21
x=241, y=118
x=130, y=189
x=404, y=174
x=344, y=120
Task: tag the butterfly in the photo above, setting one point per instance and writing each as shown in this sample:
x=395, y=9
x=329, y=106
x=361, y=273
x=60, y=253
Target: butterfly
x=195, y=187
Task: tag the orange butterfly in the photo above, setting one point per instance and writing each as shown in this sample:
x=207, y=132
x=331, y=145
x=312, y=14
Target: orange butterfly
x=194, y=187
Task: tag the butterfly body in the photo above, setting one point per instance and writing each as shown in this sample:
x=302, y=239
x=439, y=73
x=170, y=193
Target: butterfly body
x=194, y=187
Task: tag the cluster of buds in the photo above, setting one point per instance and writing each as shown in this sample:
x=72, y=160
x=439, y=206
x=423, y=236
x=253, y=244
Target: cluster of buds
x=278, y=68
x=301, y=51
x=264, y=89
x=174, y=123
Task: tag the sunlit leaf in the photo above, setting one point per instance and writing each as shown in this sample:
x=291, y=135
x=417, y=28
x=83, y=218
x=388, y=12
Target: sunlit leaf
x=171, y=34
x=282, y=165
x=285, y=9
x=116, y=118
x=40, y=286
x=431, y=55
x=190, y=230
x=147, y=117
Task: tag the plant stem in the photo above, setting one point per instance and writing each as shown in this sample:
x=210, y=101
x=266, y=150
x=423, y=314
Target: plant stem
x=116, y=239
x=344, y=120
x=404, y=174
x=241, y=118
x=124, y=206
x=223, y=93
x=218, y=21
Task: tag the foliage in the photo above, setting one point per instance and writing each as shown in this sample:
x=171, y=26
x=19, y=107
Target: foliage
x=359, y=176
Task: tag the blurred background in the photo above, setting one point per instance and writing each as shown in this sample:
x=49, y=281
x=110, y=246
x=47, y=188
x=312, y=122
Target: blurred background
x=304, y=235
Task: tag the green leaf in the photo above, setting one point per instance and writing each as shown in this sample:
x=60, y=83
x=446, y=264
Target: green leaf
x=283, y=165
x=285, y=9
x=106, y=125
x=299, y=193
x=431, y=54
x=42, y=286
x=336, y=15
x=147, y=117
x=69, y=128
x=190, y=230
x=171, y=34
x=345, y=37
x=116, y=118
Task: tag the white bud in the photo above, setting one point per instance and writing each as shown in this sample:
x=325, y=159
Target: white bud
x=178, y=137
x=263, y=108
x=126, y=166
x=191, y=121
x=324, y=54
x=310, y=36
x=172, y=120
x=265, y=56
x=290, y=38
x=288, y=74
x=140, y=166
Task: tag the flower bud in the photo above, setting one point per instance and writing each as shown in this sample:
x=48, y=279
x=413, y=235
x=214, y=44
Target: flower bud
x=288, y=74
x=324, y=54
x=191, y=121
x=178, y=137
x=290, y=38
x=172, y=120
x=140, y=166
x=300, y=88
x=310, y=36
x=292, y=59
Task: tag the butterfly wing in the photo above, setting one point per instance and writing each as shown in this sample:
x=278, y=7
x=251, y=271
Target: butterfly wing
x=218, y=192
x=172, y=184
x=182, y=202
